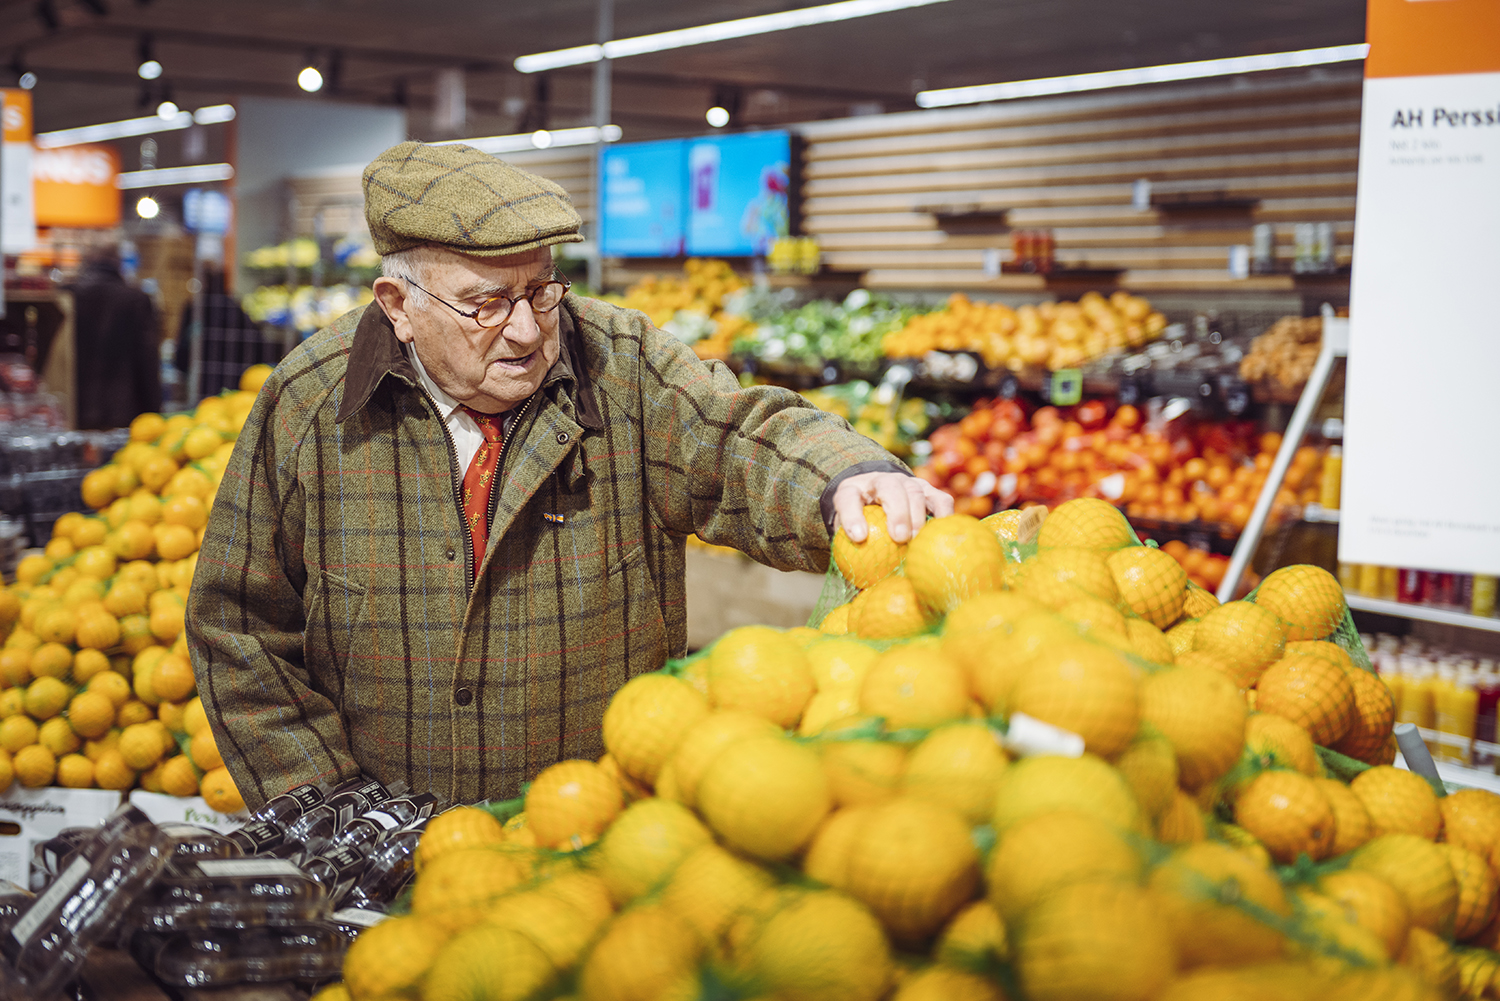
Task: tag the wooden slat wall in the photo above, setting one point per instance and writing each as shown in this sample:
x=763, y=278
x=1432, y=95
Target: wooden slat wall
x=1069, y=164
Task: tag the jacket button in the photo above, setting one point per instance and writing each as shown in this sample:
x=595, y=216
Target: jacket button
x=562, y=437
x=451, y=553
x=463, y=696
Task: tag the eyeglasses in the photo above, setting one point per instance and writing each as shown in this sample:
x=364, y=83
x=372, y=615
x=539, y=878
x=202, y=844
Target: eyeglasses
x=496, y=309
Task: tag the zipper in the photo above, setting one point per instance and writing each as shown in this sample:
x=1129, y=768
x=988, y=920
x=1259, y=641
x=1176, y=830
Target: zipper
x=456, y=483
x=495, y=482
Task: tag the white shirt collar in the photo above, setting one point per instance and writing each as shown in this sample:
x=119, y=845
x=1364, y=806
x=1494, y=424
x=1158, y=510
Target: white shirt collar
x=447, y=404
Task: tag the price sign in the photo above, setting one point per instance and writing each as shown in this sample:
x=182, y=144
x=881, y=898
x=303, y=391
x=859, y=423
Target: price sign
x=1065, y=387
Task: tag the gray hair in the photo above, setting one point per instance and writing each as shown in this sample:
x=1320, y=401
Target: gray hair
x=413, y=264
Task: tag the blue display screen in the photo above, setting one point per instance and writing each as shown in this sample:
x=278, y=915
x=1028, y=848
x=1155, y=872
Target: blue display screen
x=644, y=205
x=737, y=191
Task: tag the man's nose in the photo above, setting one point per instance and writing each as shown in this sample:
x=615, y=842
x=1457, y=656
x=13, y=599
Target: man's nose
x=521, y=326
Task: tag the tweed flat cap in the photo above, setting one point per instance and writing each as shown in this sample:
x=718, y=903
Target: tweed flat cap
x=456, y=197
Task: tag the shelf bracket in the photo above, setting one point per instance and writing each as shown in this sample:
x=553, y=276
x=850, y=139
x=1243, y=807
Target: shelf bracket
x=1335, y=346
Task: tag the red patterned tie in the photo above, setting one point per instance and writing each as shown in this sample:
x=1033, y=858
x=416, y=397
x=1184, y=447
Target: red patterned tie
x=479, y=480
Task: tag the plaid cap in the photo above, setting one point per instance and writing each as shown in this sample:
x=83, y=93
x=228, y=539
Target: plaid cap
x=456, y=197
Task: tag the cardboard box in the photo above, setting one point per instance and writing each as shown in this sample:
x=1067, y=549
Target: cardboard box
x=30, y=816
x=164, y=809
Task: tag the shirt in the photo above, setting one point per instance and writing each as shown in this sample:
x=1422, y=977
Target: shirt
x=465, y=431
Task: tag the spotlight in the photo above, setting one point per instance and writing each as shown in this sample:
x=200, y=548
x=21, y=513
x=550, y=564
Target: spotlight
x=28, y=80
x=147, y=208
x=148, y=70
x=717, y=117
x=167, y=110
x=310, y=79
x=541, y=139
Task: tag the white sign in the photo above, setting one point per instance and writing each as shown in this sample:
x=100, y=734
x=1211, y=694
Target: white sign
x=1421, y=470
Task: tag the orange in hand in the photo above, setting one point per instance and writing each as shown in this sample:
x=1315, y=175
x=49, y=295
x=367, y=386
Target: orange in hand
x=865, y=563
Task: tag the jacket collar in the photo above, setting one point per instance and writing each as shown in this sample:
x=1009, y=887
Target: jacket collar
x=377, y=353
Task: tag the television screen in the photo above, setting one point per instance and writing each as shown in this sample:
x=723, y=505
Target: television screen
x=644, y=210
x=737, y=193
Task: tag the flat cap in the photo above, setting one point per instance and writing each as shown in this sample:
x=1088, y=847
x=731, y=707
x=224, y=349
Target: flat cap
x=456, y=197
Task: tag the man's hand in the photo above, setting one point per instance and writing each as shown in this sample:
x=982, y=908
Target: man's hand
x=906, y=500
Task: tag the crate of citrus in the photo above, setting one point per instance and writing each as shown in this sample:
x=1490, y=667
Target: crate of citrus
x=99, y=689
x=1016, y=764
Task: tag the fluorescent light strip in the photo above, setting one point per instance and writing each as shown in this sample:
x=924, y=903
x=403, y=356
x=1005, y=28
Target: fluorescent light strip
x=717, y=32
x=161, y=177
x=1145, y=74
x=540, y=139
x=211, y=115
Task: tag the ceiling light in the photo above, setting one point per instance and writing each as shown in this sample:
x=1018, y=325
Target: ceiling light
x=717, y=117
x=214, y=114
x=210, y=115
x=27, y=80
x=201, y=173
x=147, y=208
x=717, y=32
x=148, y=70
x=1144, y=74
x=310, y=79
x=167, y=110
x=540, y=139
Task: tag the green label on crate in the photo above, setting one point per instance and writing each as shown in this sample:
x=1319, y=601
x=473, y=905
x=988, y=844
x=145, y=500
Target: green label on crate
x=1066, y=387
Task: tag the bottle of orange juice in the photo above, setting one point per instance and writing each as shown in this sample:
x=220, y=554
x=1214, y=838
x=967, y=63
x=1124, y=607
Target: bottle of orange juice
x=1332, y=478
x=1369, y=579
x=1455, y=703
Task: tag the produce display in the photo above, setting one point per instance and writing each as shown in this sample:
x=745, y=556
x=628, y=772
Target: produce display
x=691, y=307
x=1176, y=470
x=99, y=688
x=1204, y=568
x=850, y=333
x=1281, y=359
x=1052, y=335
x=1029, y=759
x=305, y=308
x=877, y=412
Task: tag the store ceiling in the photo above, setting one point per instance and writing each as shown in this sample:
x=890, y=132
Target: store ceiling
x=389, y=50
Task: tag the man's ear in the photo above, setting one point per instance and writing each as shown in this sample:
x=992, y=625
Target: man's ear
x=392, y=298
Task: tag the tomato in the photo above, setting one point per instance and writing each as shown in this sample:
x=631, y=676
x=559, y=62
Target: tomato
x=1091, y=414
x=1127, y=416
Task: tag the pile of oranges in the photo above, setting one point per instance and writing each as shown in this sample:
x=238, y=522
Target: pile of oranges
x=99, y=690
x=1024, y=760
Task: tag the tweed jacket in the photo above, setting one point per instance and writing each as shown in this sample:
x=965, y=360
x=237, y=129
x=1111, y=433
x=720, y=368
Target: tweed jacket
x=332, y=623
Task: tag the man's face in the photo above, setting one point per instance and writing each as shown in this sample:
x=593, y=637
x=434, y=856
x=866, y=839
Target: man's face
x=489, y=369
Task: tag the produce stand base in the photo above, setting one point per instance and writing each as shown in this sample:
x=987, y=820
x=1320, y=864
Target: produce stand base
x=727, y=589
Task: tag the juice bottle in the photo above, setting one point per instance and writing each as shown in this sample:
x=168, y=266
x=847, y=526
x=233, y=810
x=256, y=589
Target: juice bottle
x=1454, y=707
x=1333, y=471
x=1349, y=577
x=1389, y=578
x=1411, y=586
x=1487, y=685
x=1369, y=579
x=1482, y=602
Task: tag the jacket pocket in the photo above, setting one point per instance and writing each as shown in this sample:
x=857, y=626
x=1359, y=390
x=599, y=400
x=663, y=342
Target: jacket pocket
x=633, y=616
x=337, y=631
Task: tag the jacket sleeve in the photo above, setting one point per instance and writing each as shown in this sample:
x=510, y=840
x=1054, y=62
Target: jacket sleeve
x=745, y=467
x=245, y=617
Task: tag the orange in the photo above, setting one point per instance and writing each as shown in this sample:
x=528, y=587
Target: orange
x=1199, y=888
x=1181, y=823
x=1477, y=888
x=975, y=938
x=74, y=771
x=914, y=686
x=141, y=748
x=1245, y=637
x=111, y=771
x=1051, y=782
x=1351, y=821
x=1083, y=688
x=1085, y=523
x=1201, y=713
x=765, y=796
x=51, y=660
x=914, y=864
x=112, y=686
x=861, y=771
x=1094, y=940
x=1331, y=652
x=997, y=665
x=34, y=766
x=1005, y=524
x=1311, y=692
x=98, y=630
x=1276, y=742
x=457, y=889
x=839, y=663
x=1096, y=620
x=1398, y=801
x=947, y=983
x=1471, y=818
x=172, y=679
x=1288, y=813
x=493, y=960
x=645, y=953
x=178, y=777
x=1307, y=600
x=836, y=622
x=876, y=558
x=1419, y=870
x=1180, y=637
x=889, y=610
x=455, y=830
x=173, y=542
x=703, y=741
x=645, y=845
x=91, y=714
x=1054, y=577
x=712, y=887
x=1049, y=851
x=1431, y=957
x=391, y=959
x=810, y=946
x=1373, y=717
x=952, y=559
x=1150, y=582
x=970, y=629
x=759, y=670
x=959, y=766
x=1149, y=765
x=1148, y=642
x=827, y=857
x=204, y=751
x=645, y=722
x=570, y=804
x=1373, y=903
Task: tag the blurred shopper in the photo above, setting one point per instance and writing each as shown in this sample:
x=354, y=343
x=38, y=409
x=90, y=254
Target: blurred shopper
x=116, y=338
x=232, y=342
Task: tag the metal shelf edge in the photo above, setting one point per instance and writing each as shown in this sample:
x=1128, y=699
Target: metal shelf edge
x=1382, y=607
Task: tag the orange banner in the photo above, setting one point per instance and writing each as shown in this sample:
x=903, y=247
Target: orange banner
x=74, y=186
x=1432, y=37
x=17, y=114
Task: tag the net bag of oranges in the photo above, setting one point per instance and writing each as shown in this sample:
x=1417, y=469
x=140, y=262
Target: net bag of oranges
x=1045, y=769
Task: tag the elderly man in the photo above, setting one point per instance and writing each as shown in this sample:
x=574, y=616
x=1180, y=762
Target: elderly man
x=454, y=523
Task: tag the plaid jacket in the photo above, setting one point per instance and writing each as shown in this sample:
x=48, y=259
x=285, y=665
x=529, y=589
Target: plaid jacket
x=331, y=622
